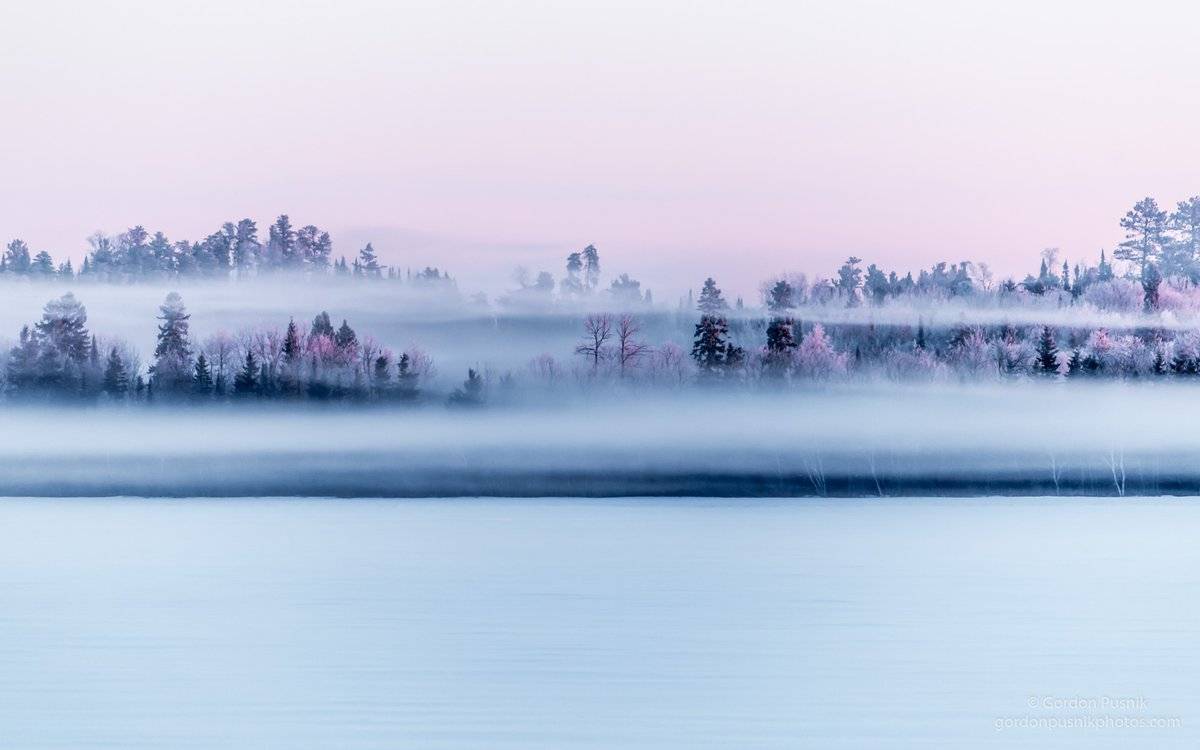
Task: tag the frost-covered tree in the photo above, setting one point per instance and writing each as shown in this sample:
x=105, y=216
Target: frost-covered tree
x=16, y=258
x=711, y=302
x=172, y=368
x=42, y=265
x=712, y=351
x=63, y=328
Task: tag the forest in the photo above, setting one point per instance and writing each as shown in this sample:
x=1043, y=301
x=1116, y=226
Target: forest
x=1128, y=316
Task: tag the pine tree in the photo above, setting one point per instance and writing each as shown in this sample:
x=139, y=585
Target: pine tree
x=116, y=376
x=172, y=368
x=63, y=328
x=321, y=326
x=920, y=333
x=1160, y=361
x=291, y=344
x=246, y=381
x=1075, y=364
x=406, y=379
x=368, y=261
x=710, y=346
x=202, y=381
x=1047, y=353
x=471, y=392
x=345, y=337
x=781, y=297
x=591, y=267
x=711, y=302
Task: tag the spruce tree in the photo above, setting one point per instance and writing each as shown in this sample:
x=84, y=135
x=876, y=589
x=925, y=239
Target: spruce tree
x=246, y=381
x=1160, y=361
x=321, y=326
x=172, y=368
x=202, y=380
x=471, y=392
x=368, y=261
x=1075, y=364
x=291, y=344
x=711, y=302
x=116, y=376
x=345, y=337
x=710, y=346
x=1047, y=353
x=406, y=379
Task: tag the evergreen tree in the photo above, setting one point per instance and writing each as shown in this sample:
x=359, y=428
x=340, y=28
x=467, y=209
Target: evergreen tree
x=1046, y=360
x=591, y=267
x=321, y=326
x=368, y=261
x=172, y=368
x=471, y=392
x=1151, y=280
x=202, y=380
x=1160, y=361
x=781, y=297
x=345, y=337
x=16, y=258
x=710, y=346
x=281, y=244
x=406, y=379
x=42, y=265
x=572, y=285
x=63, y=329
x=1104, y=271
x=711, y=302
x=1145, y=235
x=291, y=344
x=116, y=376
x=1075, y=364
x=246, y=380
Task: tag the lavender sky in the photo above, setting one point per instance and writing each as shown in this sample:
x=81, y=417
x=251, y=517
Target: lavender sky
x=740, y=139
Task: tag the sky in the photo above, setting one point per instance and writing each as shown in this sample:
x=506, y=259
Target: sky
x=682, y=138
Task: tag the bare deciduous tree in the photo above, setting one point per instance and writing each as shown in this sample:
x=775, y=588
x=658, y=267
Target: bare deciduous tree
x=597, y=331
x=629, y=348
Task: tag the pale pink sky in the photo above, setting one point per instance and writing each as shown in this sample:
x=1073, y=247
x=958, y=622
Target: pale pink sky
x=737, y=139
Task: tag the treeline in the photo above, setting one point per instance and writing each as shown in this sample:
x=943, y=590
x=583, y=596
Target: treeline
x=59, y=359
x=777, y=350
x=233, y=251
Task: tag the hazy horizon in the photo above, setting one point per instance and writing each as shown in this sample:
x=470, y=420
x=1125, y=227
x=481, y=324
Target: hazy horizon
x=742, y=141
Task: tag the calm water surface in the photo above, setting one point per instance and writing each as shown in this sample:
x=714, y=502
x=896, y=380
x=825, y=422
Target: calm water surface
x=598, y=624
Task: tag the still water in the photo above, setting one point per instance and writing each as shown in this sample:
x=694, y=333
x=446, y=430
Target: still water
x=561, y=623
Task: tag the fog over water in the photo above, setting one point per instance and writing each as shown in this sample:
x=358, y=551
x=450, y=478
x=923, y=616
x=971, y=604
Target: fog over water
x=855, y=440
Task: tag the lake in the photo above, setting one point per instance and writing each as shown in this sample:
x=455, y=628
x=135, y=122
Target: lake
x=564, y=623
